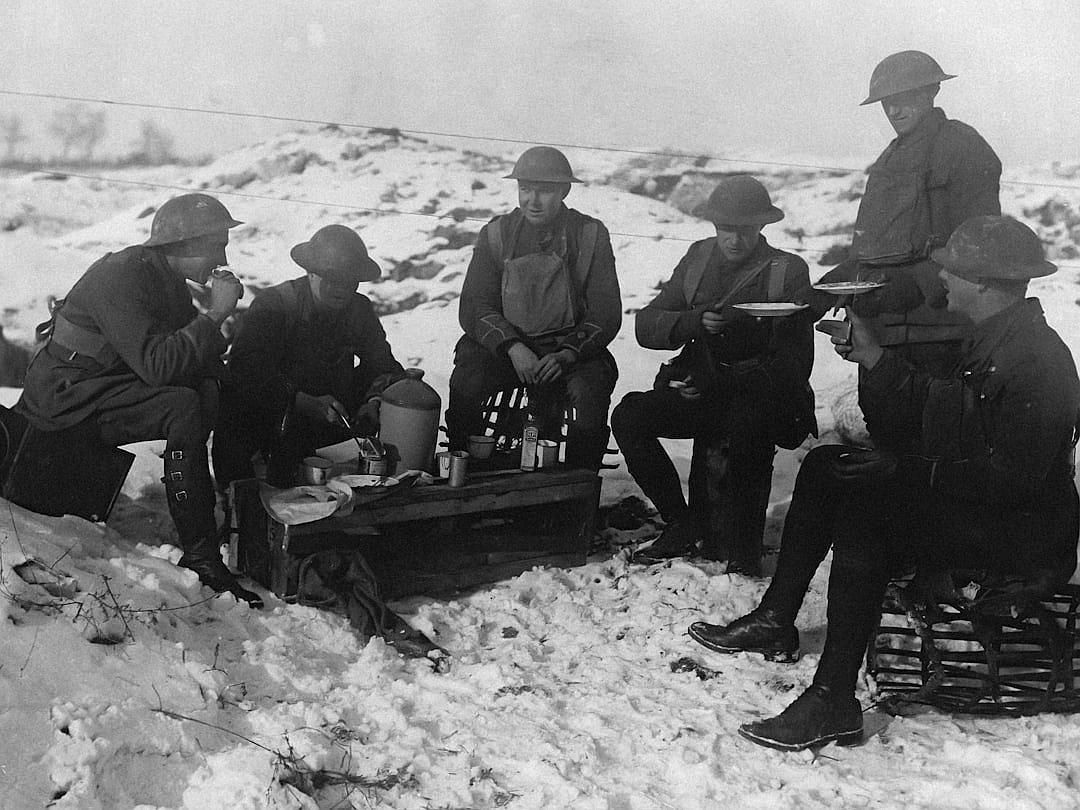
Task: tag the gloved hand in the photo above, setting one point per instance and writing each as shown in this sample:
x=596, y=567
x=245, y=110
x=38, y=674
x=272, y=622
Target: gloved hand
x=858, y=467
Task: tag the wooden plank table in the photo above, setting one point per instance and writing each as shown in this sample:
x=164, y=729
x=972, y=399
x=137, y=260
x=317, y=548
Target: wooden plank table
x=431, y=538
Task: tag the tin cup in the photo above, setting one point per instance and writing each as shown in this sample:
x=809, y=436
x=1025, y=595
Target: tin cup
x=315, y=470
x=443, y=460
x=459, y=466
x=547, y=453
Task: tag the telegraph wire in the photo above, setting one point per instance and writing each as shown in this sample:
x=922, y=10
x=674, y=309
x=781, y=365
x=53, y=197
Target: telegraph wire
x=466, y=136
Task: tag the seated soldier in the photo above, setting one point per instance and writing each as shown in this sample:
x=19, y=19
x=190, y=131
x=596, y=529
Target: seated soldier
x=539, y=305
x=308, y=363
x=739, y=380
x=131, y=358
x=991, y=488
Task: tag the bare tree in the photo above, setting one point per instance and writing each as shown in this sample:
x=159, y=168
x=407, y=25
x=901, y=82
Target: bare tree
x=93, y=130
x=75, y=125
x=154, y=145
x=11, y=130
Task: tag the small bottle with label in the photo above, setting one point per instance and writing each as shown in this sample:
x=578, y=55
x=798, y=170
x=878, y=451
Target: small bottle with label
x=530, y=436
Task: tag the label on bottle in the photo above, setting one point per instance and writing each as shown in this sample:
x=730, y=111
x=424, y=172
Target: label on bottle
x=529, y=438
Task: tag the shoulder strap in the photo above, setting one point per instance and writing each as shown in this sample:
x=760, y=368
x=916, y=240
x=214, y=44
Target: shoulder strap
x=777, y=277
x=590, y=232
x=696, y=271
x=495, y=240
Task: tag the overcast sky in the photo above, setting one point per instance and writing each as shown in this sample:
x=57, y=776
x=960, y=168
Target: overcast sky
x=726, y=77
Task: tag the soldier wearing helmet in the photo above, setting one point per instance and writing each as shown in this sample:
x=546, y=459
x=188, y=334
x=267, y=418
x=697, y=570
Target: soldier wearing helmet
x=988, y=486
x=935, y=174
x=539, y=305
x=129, y=358
x=738, y=388
x=310, y=355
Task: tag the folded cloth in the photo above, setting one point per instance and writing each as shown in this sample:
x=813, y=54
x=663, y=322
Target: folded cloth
x=312, y=502
x=308, y=503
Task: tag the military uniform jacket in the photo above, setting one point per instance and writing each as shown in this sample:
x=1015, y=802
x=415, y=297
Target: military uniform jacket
x=925, y=184
x=779, y=352
x=343, y=353
x=142, y=309
x=480, y=309
x=998, y=435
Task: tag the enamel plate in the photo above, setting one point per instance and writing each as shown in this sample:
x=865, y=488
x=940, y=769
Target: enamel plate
x=770, y=309
x=848, y=287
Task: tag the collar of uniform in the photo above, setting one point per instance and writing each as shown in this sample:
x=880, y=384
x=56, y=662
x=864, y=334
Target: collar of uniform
x=986, y=336
x=927, y=128
x=545, y=233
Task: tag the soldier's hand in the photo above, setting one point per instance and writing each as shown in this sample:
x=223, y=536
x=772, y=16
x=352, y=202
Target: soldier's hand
x=862, y=347
x=713, y=322
x=688, y=388
x=225, y=291
x=366, y=419
x=859, y=467
x=551, y=366
x=525, y=362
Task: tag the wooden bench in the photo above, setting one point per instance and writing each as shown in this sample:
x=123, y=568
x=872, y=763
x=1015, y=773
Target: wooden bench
x=428, y=539
x=1003, y=650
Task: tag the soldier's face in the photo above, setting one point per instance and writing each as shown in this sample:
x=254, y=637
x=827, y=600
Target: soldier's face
x=541, y=202
x=736, y=242
x=905, y=110
x=962, y=294
x=197, y=258
x=330, y=293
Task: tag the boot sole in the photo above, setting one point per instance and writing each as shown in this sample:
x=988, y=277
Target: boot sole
x=844, y=738
x=778, y=656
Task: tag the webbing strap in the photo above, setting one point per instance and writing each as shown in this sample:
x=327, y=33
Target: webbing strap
x=82, y=341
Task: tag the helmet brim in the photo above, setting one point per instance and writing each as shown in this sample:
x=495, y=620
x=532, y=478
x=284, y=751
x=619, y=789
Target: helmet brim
x=718, y=217
x=944, y=257
x=873, y=98
x=367, y=269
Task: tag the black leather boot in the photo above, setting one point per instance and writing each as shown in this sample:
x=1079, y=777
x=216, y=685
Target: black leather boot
x=760, y=631
x=190, y=496
x=818, y=716
x=679, y=539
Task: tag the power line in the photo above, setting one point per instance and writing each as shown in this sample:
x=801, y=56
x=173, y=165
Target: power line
x=392, y=211
x=465, y=136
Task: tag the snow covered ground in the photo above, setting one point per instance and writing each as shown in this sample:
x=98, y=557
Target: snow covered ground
x=122, y=685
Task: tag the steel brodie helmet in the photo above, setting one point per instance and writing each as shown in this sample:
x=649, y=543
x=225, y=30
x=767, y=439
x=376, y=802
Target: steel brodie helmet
x=994, y=247
x=904, y=71
x=739, y=200
x=543, y=164
x=337, y=253
x=189, y=216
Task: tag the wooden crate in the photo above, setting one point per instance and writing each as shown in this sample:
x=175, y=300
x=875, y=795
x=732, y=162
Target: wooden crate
x=429, y=539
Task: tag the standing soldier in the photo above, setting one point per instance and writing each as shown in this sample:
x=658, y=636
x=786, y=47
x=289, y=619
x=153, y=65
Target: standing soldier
x=739, y=380
x=539, y=305
x=935, y=174
x=131, y=358
x=312, y=354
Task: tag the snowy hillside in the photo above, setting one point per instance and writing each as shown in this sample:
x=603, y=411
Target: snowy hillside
x=122, y=686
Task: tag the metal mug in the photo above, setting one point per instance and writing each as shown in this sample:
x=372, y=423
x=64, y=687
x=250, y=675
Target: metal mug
x=315, y=470
x=547, y=453
x=459, y=465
